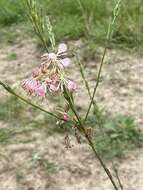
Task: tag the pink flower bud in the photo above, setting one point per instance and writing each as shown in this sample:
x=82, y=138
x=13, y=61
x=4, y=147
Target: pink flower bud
x=65, y=116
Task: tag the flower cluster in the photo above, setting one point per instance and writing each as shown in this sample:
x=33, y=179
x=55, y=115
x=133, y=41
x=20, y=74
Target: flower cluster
x=50, y=76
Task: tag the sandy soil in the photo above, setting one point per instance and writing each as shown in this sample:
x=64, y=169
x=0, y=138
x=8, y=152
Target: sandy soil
x=45, y=164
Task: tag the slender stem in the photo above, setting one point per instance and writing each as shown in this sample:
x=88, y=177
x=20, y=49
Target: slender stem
x=109, y=34
x=96, y=109
x=101, y=162
x=37, y=18
x=83, y=76
x=11, y=91
x=69, y=99
x=97, y=83
x=117, y=176
x=81, y=128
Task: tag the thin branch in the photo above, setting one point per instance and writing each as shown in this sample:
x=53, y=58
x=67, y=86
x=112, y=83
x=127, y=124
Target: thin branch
x=38, y=21
x=97, y=83
x=11, y=91
x=117, y=176
x=81, y=128
x=86, y=83
x=109, y=34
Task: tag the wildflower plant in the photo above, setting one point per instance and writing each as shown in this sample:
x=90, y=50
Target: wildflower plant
x=51, y=78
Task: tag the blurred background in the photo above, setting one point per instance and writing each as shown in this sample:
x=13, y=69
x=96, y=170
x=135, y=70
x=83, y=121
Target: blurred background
x=68, y=20
x=33, y=154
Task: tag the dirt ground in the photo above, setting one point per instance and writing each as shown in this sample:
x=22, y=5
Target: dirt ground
x=45, y=164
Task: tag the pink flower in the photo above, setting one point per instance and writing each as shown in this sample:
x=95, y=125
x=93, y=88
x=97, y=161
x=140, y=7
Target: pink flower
x=65, y=116
x=34, y=87
x=52, y=57
x=72, y=86
x=48, y=76
x=60, y=57
x=53, y=83
x=62, y=48
x=29, y=85
x=65, y=62
x=41, y=90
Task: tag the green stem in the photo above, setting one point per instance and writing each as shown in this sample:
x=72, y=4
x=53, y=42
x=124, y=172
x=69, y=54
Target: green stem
x=117, y=176
x=96, y=109
x=97, y=83
x=101, y=162
x=37, y=19
x=11, y=91
x=81, y=128
x=109, y=34
x=96, y=113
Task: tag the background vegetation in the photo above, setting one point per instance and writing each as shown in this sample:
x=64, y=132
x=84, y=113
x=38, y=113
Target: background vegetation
x=69, y=23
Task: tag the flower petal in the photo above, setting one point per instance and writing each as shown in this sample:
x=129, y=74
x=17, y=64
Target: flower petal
x=34, y=87
x=41, y=90
x=62, y=48
x=52, y=56
x=72, y=85
x=65, y=62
